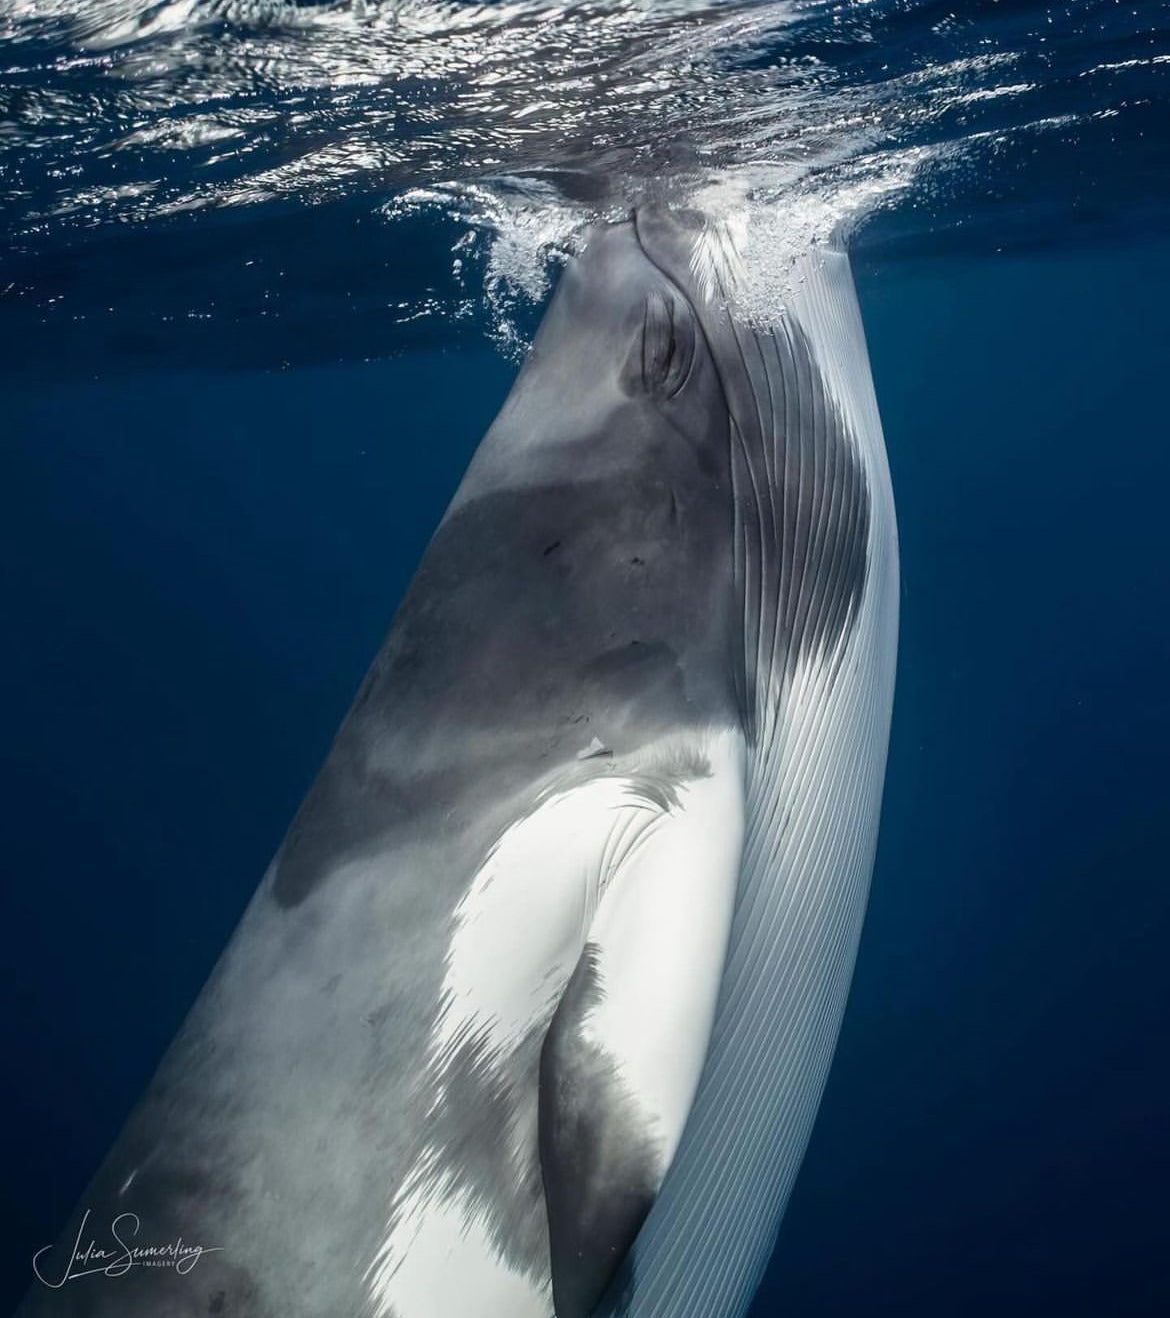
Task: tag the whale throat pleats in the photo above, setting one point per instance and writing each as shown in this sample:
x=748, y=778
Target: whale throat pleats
x=817, y=562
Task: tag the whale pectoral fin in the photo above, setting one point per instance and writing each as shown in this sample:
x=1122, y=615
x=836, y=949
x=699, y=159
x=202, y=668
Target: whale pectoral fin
x=622, y=1056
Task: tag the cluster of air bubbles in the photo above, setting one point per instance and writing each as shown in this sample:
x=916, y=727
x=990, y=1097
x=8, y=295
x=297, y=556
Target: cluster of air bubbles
x=514, y=236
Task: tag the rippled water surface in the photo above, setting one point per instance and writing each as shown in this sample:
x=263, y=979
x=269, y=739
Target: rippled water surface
x=348, y=179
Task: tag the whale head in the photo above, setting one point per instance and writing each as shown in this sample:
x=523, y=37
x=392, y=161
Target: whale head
x=620, y=371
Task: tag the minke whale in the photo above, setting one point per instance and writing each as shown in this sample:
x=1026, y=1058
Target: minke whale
x=531, y=1013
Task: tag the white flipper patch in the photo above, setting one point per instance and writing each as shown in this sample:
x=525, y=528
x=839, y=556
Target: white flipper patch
x=624, y=1052
x=640, y=865
x=661, y=938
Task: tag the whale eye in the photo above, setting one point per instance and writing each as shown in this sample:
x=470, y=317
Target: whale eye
x=668, y=345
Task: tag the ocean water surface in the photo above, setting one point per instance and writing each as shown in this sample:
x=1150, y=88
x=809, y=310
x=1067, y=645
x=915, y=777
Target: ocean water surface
x=267, y=271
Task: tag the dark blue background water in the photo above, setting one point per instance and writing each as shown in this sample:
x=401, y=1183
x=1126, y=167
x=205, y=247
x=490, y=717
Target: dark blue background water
x=197, y=568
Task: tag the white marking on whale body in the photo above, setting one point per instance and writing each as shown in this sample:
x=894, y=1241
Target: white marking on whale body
x=640, y=860
x=596, y=747
x=444, y=1265
x=661, y=932
x=520, y=928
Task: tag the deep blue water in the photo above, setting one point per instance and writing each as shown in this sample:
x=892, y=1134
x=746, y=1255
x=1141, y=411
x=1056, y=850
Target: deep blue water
x=228, y=432
x=197, y=569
